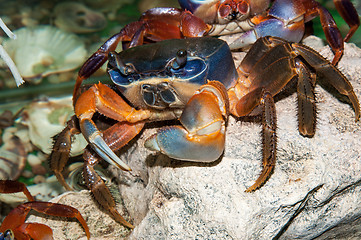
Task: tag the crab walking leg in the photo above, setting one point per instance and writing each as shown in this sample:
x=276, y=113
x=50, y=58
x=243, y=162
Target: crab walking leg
x=329, y=73
x=266, y=71
x=269, y=140
x=18, y=215
x=36, y=231
x=349, y=14
x=100, y=191
x=306, y=100
x=201, y=137
x=97, y=59
x=9, y=186
x=332, y=33
x=61, y=150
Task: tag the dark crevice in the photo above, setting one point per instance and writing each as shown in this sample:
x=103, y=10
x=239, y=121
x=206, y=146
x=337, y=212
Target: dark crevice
x=302, y=205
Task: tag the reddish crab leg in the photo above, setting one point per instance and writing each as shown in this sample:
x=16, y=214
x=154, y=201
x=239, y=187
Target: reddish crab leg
x=9, y=186
x=96, y=60
x=15, y=220
x=201, y=136
x=349, y=14
x=36, y=231
x=18, y=215
x=115, y=137
x=98, y=188
x=333, y=35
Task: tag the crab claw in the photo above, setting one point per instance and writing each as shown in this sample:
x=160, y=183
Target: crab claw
x=96, y=141
x=201, y=138
x=177, y=143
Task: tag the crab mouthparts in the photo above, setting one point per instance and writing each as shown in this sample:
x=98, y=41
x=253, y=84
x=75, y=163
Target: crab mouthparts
x=158, y=96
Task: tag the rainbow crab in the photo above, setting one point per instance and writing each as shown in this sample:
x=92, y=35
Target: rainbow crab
x=14, y=225
x=196, y=82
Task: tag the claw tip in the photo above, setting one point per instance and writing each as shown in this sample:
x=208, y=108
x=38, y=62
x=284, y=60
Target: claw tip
x=152, y=144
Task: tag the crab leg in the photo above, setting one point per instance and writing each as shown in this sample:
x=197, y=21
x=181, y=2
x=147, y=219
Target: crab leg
x=201, y=136
x=349, y=14
x=98, y=188
x=306, y=100
x=329, y=73
x=9, y=186
x=269, y=140
x=18, y=215
x=269, y=66
x=333, y=35
x=115, y=137
x=61, y=150
x=97, y=59
x=34, y=230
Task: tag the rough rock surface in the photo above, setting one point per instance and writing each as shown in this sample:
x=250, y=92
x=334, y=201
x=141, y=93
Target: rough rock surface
x=314, y=192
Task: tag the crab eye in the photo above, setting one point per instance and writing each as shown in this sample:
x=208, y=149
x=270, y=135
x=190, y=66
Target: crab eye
x=192, y=69
x=115, y=62
x=120, y=79
x=120, y=73
x=7, y=235
x=180, y=60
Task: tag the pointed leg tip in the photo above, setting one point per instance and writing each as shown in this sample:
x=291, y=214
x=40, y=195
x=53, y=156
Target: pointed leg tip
x=251, y=188
x=128, y=225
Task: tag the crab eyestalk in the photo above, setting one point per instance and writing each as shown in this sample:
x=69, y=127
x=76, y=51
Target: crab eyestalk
x=180, y=60
x=116, y=63
x=7, y=235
